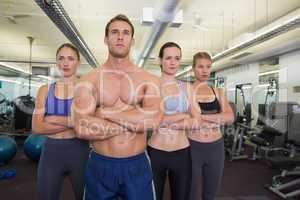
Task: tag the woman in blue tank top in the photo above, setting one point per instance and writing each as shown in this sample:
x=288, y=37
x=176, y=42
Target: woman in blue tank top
x=168, y=148
x=63, y=154
x=207, y=146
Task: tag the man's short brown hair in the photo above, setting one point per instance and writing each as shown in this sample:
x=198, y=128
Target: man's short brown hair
x=119, y=17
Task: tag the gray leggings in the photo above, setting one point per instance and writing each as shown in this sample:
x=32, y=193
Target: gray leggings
x=60, y=158
x=207, y=165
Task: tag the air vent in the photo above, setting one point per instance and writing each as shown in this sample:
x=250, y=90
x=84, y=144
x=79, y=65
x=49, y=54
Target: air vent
x=296, y=89
x=36, y=70
x=271, y=61
x=148, y=17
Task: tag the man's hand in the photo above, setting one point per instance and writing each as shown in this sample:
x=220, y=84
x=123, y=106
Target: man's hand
x=95, y=130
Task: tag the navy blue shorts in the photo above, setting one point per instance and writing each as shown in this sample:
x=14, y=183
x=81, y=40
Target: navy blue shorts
x=114, y=178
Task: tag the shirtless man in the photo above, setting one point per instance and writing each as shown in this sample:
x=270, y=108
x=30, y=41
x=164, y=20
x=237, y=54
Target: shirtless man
x=114, y=106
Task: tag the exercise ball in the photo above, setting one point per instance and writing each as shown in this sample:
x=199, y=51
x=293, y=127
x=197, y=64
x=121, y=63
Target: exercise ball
x=8, y=149
x=33, y=146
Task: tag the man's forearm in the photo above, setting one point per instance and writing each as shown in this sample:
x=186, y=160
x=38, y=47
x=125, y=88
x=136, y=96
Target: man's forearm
x=143, y=126
x=94, y=128
x=136, y=120
x=130, y=116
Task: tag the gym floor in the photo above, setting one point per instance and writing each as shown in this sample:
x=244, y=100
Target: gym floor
x=243, y=180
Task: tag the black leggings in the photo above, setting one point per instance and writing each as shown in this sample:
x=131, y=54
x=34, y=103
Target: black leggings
x=60, y=158
x=207, y=165
x=178, y=166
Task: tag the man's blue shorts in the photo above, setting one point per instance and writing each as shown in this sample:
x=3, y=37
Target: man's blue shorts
x=119, y=178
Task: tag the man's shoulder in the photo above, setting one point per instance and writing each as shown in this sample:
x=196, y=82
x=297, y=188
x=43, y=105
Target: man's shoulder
x=148, y=76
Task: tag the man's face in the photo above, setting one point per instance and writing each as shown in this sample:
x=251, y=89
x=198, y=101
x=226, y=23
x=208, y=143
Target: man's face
x=119, y=39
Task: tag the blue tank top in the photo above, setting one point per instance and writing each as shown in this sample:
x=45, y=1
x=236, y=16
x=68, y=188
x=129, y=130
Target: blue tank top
x=178, y=104
x=56, y=106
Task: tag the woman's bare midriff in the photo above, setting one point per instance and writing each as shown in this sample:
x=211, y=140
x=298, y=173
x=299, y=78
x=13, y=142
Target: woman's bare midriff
x=121, y=146
x=169, y=140
x=210, y=135
x=67, y=134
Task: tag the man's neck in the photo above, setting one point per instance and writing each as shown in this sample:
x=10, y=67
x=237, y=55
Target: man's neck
x=123, y=64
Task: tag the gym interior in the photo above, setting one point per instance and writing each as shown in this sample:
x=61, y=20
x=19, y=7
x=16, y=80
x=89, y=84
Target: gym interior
x=255, y=49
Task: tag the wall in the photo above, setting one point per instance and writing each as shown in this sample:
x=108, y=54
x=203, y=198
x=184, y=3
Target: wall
x=241, y=74
x=289, y=76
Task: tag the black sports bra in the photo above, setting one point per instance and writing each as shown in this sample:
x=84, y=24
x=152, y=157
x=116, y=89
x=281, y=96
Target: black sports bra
x=210, y=107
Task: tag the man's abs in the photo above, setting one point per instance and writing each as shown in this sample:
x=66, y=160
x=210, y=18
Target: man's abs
x=126, y=144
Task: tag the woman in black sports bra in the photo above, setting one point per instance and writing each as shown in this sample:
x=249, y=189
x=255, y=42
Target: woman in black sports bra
x=207, y=146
